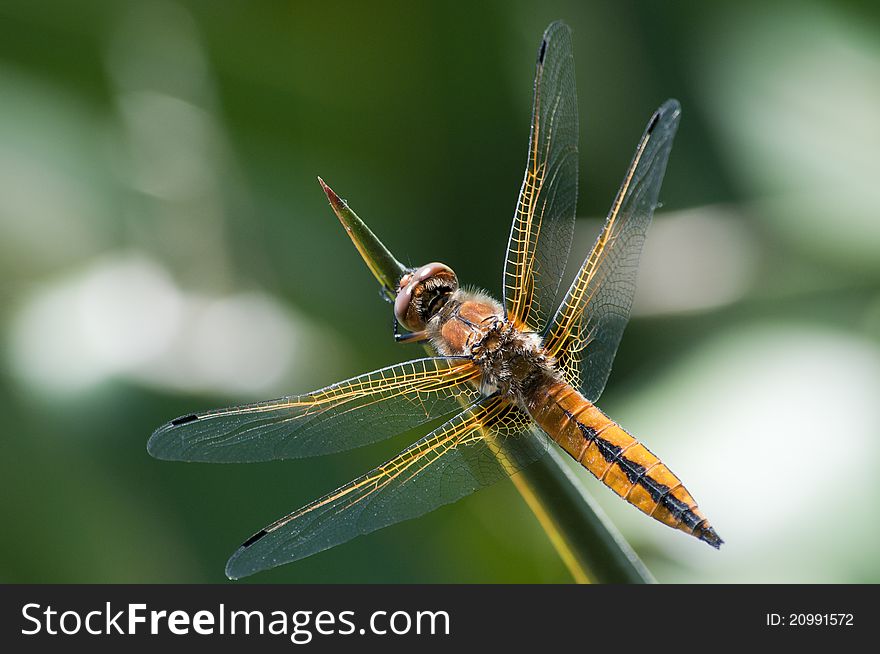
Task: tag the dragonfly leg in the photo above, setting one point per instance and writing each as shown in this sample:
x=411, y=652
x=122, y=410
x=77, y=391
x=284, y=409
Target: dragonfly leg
x=412, y=337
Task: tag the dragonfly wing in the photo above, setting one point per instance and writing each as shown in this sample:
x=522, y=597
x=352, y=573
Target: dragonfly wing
x=540, y=237
x=348, y=414
x=589, y=323
x=487, y=442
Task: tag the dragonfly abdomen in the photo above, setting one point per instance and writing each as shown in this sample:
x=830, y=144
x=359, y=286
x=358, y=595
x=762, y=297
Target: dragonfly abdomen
x=618, y=460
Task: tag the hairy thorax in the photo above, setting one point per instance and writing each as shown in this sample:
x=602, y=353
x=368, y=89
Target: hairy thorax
x=513, y=362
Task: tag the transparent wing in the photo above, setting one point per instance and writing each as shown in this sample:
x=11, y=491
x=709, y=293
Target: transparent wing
x=540, y=237
x=487, y=442
x=589, y=323
x=348, y=414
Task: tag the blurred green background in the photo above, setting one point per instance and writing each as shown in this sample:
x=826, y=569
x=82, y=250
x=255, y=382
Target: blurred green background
x=164, y=248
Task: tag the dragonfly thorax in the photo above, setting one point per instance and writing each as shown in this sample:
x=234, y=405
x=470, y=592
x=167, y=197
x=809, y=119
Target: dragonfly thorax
x=472, y=324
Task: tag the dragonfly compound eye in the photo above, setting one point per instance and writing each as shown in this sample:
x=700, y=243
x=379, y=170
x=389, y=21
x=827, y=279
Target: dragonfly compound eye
x=422, y=293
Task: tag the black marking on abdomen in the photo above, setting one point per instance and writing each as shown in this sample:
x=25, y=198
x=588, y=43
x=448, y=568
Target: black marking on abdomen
x=609, y=452
x=678, y=508
x=633, y=471
x=192, y=417
x=253, y=539
x=587, y=432
x=660, y=493
x=708, y=535
x=655, y=489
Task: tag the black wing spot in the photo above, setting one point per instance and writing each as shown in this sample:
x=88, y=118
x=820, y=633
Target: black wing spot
x=542, y=52
x=192, y=417
x=253, y=539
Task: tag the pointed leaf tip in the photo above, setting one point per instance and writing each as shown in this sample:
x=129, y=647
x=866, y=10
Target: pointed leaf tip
x=385, y=268
x=334, y=199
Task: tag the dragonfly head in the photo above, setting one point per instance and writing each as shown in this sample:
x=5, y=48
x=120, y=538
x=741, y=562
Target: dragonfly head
x=421, y=293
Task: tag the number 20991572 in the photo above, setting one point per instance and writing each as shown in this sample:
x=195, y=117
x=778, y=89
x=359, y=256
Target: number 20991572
x=810, y=620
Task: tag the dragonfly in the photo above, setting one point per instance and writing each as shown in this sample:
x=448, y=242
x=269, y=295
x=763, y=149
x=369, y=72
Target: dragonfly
x=540, y=357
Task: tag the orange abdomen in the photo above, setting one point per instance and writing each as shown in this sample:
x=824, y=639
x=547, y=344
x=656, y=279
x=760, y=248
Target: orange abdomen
x=617, y=459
